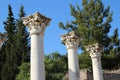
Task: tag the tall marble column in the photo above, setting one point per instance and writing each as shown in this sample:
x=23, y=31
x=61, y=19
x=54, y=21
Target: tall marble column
x=37, y=24
x=95, y=53
x=72, y=41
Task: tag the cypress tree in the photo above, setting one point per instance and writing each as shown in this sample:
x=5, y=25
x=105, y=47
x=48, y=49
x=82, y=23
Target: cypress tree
x=22, y=39
x=2, y=57
x=9, y=68
x=16, y=49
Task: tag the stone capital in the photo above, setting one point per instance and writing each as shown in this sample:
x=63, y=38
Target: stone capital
x=71, y=40
x=94, y=50
x=36, y=23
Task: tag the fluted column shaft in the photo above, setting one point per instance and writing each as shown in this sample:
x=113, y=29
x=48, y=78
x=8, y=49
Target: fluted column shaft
x=37, y=24
x=95, y=53
x=71, y=41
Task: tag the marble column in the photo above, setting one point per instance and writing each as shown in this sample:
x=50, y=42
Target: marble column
x=36, y=24
x=72, y=41
x=95, y=53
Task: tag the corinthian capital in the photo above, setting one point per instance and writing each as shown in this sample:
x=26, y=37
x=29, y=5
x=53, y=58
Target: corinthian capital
x=36, y=22
x=94, y=50
x=71, y=40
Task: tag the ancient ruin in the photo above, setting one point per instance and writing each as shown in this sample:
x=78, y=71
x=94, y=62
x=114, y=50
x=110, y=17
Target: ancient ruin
x=37, y=24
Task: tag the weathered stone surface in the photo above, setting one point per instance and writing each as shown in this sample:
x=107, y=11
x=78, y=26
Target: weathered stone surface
x=95, y=52
x=86, y=74
x=72, y=41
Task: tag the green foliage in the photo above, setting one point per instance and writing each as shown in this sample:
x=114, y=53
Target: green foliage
x=92, y=22
x=22, y=39
x=2, y=57
x=9, y=68
x=24, y=73
x=16, y=49
x=10, y=24
x=111, y=60
x=56, y=66
x=85, y=61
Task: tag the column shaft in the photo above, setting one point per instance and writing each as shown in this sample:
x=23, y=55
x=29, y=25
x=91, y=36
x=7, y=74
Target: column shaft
x=73, y=64
x=37, y=58
x=37, y=24
x=97, y=71
x=71, y=41
x=95, y=51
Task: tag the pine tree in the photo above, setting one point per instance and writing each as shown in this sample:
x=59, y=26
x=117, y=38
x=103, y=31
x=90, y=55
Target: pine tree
x=2, y=50
x=92, y=23
x=22, y=39
x=9, y=68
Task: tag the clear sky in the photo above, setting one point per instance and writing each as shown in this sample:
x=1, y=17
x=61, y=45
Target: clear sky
x=58, y=11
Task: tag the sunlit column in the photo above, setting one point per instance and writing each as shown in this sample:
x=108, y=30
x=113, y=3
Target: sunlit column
x=72, y=41
x=95, y=53
x=37, y=24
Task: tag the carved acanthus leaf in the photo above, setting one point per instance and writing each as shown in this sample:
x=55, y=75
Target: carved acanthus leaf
x=70, y=39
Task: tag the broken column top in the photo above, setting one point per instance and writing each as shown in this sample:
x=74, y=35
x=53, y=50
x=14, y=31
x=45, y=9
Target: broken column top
x=70, y=39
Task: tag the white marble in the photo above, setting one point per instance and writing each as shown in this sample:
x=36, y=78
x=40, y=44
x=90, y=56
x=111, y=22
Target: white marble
x=95, y=53
x=72, y=41
x=37, y=24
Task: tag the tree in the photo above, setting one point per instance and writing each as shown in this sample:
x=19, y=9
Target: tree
x=92, y=24
x=85, y=61
x=56, y=66
x=2, y=57
x=24, y=73
x=22, y=39
x=9, y=68
x=16, y=49
x=114, y=53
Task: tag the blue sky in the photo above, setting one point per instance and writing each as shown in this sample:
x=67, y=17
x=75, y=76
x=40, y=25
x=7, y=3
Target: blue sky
x=58, y=11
